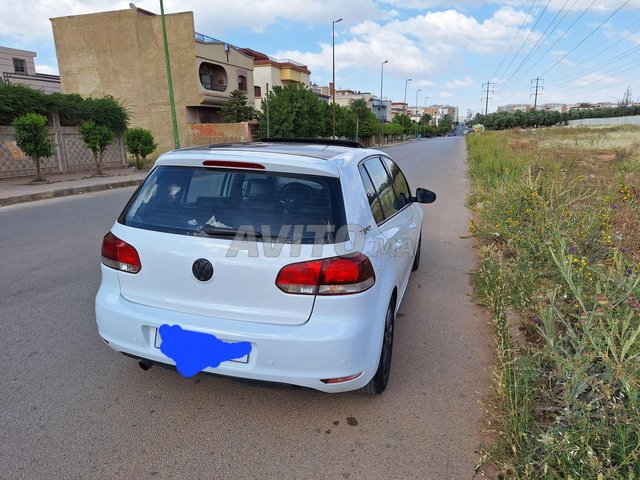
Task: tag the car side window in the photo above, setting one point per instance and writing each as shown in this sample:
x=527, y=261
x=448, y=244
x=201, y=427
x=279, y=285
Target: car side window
x=374, y=201
x=383, y=184
x=400, y=185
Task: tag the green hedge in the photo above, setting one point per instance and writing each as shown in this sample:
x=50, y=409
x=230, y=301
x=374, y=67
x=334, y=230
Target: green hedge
x=543, y=118
x=73, y=109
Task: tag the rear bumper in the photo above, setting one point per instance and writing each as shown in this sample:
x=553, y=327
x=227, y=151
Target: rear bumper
x=343, y=337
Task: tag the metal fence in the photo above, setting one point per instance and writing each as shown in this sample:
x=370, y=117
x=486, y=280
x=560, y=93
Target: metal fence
x=71, y=154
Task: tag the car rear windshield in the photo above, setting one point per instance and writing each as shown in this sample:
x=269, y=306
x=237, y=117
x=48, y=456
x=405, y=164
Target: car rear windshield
x=224, y=203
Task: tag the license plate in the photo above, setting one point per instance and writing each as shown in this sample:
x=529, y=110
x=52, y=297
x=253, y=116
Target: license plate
x=158, y=341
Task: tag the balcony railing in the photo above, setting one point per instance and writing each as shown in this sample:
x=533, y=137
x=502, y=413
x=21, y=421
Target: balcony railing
x=200, y=37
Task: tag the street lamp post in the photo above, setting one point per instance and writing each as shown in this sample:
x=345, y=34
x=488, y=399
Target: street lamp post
x=423, y=113
x=417, y=91
x=381, y=82
x=333, y=54
x=172, y=103
x=405, y=94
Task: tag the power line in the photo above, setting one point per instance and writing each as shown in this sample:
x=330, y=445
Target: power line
x=586, y=59
x=606, y=77
x=559, y=38
x=528, y=35
x=613, y=44
x=610, y=85
x=524, y=20
x=572, y=78
x=585, y=38
x=535, y=47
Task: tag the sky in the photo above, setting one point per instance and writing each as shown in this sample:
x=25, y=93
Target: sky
x=582, y=50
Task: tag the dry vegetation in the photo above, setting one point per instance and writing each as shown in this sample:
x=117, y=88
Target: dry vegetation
x=557, y=218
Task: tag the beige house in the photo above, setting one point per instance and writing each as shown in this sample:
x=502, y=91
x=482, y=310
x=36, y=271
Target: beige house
x=121, y=53
x=382, y=109
x=18, y=66
x=274, y=72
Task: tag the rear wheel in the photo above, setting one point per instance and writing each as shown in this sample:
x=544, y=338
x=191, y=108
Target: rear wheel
x=379, y=381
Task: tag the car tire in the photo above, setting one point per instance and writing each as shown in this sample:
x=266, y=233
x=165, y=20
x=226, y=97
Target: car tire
x=380, y=380
x=416, y=258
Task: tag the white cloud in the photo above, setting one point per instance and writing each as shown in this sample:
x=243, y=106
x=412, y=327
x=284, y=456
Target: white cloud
x=47, y=69
x=465, y=82
x=446, y=95
x=213, y=17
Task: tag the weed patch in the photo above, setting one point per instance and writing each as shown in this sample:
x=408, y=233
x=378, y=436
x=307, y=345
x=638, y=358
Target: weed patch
x=556, y=218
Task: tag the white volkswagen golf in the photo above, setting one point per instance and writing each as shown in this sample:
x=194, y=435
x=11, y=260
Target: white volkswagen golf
x=282, y=261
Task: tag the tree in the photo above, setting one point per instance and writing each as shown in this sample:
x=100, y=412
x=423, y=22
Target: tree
x=236, y=109
x=96, y=138
x=32, y=137
x=346, y=122
x=139, y=143
x=294, y=111
x=408, y=125
x=425, y=119
x=445, y=125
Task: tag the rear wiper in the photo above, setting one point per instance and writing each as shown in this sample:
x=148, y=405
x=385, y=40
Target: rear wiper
x=229, y=232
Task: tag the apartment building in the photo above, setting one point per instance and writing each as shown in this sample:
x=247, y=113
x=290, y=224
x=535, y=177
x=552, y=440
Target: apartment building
x=18, y=67
x=121, y=53
x=274, y=72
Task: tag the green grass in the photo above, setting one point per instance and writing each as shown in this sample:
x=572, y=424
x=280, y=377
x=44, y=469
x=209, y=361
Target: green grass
x=558, y=233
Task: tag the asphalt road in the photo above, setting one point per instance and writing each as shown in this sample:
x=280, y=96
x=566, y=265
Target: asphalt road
x=73, y=408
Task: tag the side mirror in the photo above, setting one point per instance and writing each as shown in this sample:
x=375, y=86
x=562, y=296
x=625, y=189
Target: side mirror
x=425, y=196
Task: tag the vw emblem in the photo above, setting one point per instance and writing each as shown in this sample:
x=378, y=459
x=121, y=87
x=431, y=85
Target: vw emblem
x=202, y=269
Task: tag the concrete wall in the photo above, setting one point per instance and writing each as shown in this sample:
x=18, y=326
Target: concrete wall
x=71, y=154
x=631, y=120
x=121, y=53
x=203, y=133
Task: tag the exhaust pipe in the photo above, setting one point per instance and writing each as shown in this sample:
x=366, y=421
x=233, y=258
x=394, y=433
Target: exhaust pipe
x=145, y=364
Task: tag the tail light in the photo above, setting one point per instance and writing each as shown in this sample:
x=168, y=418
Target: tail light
x=119, y=254
x=330, y=276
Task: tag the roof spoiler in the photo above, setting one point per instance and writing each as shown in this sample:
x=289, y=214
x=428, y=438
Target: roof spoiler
x=316, y=141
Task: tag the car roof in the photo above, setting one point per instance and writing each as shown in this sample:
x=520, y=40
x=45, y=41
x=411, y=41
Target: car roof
x=303, y=156
x=299, y=148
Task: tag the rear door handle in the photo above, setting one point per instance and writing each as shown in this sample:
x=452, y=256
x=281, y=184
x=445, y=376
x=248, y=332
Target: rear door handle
x=413, y=225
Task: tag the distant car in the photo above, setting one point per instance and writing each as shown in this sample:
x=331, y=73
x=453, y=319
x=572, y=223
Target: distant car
x=299, y=251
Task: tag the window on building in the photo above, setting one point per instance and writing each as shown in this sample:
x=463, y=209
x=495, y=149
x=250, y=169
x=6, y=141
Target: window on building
x=213, y=77
x=257, y=92
x=19, y=65
x=242, y=83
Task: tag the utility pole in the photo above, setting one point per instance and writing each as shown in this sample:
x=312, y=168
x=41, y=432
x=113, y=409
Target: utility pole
x=535, y=95
x=404, y=105
x=333, y=54
x=267, y=98
x=486, y=97
x=381, y=120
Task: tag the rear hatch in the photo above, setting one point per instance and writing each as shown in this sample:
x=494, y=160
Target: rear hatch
x=246, y=223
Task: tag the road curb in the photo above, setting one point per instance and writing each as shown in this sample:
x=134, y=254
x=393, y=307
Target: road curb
x=64, y=192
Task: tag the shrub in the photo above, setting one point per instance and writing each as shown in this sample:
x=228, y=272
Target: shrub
x=139, y=143
x=96, y=138
x=73, y=109
x=32, y=138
